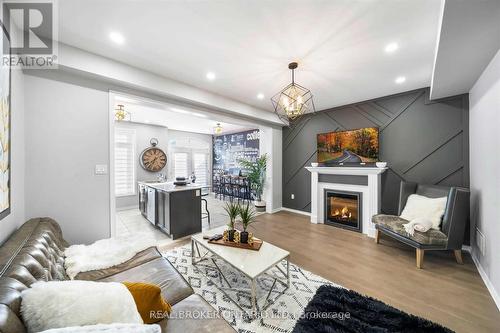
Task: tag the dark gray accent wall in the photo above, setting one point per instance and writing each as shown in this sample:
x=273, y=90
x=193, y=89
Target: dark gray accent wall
x=422, y=141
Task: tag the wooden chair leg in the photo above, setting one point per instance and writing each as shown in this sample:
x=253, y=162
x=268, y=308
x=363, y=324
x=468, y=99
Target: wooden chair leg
x=420, y=258
x=458, y=256
x=377, y=236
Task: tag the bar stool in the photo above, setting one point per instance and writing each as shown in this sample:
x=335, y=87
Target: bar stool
x=206, y=214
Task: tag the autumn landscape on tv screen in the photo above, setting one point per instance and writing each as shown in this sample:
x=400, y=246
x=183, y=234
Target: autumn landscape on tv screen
x=356, y=146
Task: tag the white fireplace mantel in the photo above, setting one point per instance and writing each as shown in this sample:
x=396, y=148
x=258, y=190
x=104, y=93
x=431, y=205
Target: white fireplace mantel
x=370, y=192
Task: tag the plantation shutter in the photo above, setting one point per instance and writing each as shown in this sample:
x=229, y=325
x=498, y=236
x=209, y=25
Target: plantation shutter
x=124, y=162
x=181, y=165
x=200, y=167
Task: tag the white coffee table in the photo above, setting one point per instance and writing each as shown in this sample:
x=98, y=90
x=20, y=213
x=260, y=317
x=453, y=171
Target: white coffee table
x=252, y=264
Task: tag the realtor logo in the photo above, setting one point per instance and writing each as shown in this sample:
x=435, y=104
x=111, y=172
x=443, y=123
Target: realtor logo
x=32, y=30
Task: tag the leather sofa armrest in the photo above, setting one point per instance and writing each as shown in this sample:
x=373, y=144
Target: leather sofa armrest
x=456, y=216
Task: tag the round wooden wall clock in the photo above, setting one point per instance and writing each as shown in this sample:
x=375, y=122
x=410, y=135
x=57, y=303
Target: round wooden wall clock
x=153, y=159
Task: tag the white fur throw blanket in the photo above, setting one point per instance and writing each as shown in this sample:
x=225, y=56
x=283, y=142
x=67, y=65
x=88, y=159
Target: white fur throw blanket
x=109, y=328
x=104, y=253
x=421, y=224
x=57, y=304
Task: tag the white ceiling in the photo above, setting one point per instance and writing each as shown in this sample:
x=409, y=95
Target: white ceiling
x=469, y=38
x=339, y=44
x=174, y=117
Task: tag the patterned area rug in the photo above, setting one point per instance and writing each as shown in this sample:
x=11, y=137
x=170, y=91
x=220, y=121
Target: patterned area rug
x=283, y=310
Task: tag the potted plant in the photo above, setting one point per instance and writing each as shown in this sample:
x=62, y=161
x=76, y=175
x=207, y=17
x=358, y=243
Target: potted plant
x=247, y=216
x=232, y=209
x=256, y=173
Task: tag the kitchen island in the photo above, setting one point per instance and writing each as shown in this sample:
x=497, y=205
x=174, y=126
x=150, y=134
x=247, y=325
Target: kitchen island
x=175, y=210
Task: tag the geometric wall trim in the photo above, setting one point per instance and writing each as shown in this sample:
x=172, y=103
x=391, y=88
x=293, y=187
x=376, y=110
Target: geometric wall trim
x=423, y=141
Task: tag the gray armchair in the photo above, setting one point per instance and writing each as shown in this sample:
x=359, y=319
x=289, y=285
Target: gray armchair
x=454, y=221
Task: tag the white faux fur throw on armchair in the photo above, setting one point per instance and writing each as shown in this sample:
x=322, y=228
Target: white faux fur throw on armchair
x=421, y=224
x=104, y=253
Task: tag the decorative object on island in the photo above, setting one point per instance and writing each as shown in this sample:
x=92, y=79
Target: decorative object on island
x=153, y=158
x=293, y=101
x=5, y=91
x=180, y=181
x=233, y=210
x=256, y=173
x=247, y=216
x=121, y=114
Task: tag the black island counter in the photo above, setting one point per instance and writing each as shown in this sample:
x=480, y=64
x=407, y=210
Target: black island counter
x=175, y=210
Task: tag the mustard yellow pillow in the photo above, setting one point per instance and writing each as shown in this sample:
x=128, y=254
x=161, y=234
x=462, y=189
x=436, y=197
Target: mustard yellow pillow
x=150, y=303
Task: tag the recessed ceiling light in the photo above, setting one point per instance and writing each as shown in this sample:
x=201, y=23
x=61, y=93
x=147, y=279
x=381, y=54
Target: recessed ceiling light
x=211, y=76
x=391, y=47
x=117, y=37
x=400, y=79
x=260, y=96
x=146, y=121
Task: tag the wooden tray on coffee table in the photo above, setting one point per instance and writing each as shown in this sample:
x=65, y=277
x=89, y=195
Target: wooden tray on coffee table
x=257, y=243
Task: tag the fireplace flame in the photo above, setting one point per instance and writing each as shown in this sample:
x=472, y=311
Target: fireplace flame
x=343, y=213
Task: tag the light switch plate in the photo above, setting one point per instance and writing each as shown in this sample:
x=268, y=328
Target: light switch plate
x=101, y=169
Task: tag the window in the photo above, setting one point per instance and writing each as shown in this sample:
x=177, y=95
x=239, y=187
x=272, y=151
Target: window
x=200, y=167
x=181, y=165
x=124, y=162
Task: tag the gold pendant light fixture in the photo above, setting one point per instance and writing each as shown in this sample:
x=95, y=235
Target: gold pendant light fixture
x=218, y=129
x=121, y=114
x=293, y=101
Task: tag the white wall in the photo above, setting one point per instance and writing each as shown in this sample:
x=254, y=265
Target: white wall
x=67, y=134
x=17, y=215
x=271, y=144
x=143, y=134
x=277, y=169
x=484, y=99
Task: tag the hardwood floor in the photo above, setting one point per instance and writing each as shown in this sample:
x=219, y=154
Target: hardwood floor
x=445, y=292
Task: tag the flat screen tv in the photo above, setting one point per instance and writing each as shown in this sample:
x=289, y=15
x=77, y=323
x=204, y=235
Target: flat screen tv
x=348, y=147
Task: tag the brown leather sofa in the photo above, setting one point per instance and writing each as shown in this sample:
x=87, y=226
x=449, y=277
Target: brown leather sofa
x=35, y=253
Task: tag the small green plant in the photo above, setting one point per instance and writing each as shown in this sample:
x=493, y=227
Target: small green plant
x=247, y=215
x=233, y=210
x=256, y=173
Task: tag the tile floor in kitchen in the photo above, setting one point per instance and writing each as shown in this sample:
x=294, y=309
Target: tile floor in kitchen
x=132, y=222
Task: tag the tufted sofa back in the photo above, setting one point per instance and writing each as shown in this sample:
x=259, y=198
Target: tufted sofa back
x=33, y=253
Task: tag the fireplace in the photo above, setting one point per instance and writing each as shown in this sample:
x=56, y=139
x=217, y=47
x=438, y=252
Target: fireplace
x=343, y=209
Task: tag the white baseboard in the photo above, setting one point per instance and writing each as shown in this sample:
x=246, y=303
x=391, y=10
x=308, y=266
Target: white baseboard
x=467, y=248
x=494, y=294
x=119, y=209
x=292, y=211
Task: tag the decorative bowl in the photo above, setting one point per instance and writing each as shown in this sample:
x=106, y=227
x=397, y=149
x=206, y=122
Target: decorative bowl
x=314, y=164
x=381, y=164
